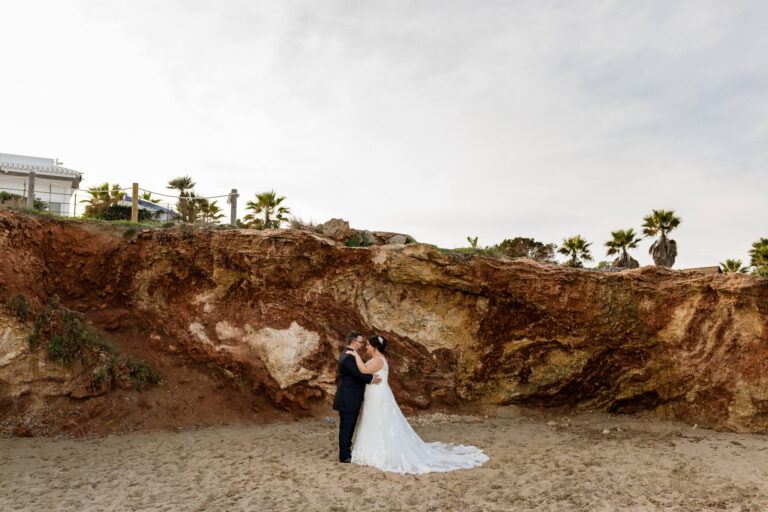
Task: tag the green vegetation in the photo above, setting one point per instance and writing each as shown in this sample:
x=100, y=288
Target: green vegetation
x=141, y=373
x=147, y=196
x=128, y=233
x=619, y=243
x=267, y=204
x=118, y=212
x=359, y=240
x=660, y=223
x=465, y=254
x=102, y=198
x=184, y=185
x=68, y=339
x=577, y=248
x=17, y=305
x=472, y=242
x=191, y=207
x=71, y=342
x=732, y=266
x=18, y=201
x=520, y=247
x=758, y=257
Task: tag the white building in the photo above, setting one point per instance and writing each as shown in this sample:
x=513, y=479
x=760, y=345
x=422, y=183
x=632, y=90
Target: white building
x=54, y=184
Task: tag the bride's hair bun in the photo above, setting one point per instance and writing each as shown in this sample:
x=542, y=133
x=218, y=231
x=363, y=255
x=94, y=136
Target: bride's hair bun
x=378, y=343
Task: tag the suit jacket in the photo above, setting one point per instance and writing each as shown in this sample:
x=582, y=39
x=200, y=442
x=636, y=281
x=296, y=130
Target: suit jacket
x=349, y=394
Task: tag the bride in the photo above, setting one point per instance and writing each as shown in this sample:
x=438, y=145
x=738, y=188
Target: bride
x=385, y=439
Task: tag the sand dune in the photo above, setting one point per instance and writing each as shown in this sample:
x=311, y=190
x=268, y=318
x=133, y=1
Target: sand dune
x=538, y=461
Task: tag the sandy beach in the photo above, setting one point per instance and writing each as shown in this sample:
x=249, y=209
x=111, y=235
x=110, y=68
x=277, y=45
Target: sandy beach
x=538, y=461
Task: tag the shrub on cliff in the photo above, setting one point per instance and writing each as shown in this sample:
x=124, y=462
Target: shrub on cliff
x=69, y=339
x=520, y=247
x=18, y=306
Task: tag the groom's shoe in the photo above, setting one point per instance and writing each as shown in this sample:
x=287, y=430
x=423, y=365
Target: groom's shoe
x=346, y=461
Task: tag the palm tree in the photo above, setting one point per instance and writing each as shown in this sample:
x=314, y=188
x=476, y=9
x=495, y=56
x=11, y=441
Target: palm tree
x=209, y=212
x=102, y=197
x=575, y=247
x=621, y=241
x=268, y=205
x=759, y=257
x=661, y=222
x=147, y=196
x=184, y=185
x=732, y=266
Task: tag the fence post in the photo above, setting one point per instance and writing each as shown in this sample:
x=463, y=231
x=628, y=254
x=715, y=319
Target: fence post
x=135, y=203
x=74, y=208
x=233, y=207
x=31, y=191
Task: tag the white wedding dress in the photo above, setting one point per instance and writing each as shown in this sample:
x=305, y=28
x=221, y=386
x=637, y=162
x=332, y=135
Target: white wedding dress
x=385, y=439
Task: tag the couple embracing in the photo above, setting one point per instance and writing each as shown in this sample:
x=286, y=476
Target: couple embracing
x=385, y=439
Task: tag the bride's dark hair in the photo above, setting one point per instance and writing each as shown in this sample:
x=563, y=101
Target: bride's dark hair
x=378, y=343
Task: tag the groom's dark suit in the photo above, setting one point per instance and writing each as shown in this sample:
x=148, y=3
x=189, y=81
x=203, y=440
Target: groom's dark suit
x=349, y=398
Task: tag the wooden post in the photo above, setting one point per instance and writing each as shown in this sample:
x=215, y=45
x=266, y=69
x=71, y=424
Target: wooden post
x=31, y=191
x=135, y=203
x=74, y=207
x=233, y=207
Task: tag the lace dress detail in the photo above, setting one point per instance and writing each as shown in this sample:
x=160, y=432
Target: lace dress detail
x=385, y=439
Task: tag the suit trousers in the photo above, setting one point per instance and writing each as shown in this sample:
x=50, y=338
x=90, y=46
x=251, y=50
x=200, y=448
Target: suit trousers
x=347, y=421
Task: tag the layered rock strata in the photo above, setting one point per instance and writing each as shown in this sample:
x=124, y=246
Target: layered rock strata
x=272, y=307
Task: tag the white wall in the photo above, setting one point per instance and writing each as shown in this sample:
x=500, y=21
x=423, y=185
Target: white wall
x=57, y=193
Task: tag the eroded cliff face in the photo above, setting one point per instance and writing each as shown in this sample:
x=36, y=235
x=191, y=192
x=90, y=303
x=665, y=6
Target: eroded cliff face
x=269, y=310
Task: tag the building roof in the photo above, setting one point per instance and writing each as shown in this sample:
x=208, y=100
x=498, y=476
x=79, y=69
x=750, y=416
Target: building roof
x=42, y=166
x=148, y=205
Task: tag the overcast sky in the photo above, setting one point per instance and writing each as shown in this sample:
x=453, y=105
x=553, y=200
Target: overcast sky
x=438, y=119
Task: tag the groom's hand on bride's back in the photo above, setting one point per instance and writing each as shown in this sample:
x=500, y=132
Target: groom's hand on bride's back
x=376, y=379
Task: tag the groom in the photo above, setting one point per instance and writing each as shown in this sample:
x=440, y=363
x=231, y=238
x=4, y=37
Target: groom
x=349, y=394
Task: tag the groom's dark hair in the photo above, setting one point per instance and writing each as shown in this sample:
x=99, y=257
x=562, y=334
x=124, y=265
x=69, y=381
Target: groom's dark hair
x=352, y=337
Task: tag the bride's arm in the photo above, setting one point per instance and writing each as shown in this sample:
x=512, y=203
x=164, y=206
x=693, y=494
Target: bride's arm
x=373, y=365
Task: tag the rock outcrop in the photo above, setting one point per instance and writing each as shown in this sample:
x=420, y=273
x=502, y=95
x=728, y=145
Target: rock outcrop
x=271, y=309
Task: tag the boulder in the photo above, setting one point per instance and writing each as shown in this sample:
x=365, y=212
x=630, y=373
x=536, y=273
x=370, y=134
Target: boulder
x=397, y=240
x=338, y=229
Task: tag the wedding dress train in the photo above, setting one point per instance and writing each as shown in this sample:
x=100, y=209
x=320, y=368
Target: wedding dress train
x=385, y=439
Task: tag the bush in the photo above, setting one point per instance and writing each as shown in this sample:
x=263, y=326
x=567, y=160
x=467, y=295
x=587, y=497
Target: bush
x=18, y=305
x=128, y=233
x=19, y=201
x=141, y=373
x=520, y=247
x=123, y=212
x=359, y=239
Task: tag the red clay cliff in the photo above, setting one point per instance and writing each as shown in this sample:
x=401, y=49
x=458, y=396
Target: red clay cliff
x=248, y=325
